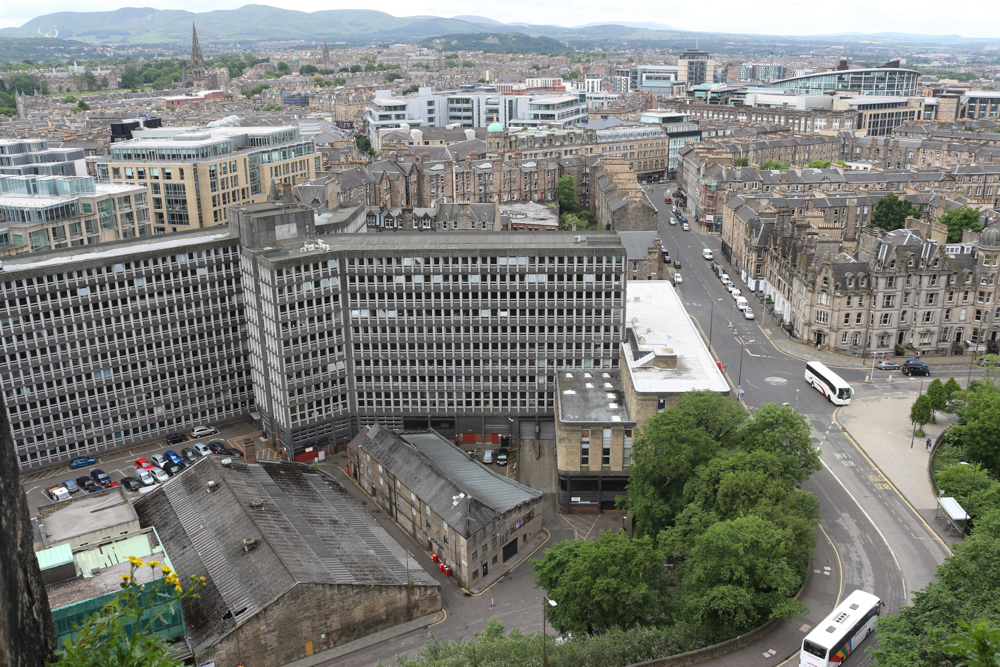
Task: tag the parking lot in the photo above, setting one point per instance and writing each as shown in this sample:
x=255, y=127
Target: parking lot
x=121, y=464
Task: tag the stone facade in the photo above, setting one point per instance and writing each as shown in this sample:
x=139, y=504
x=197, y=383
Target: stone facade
x=311, y=618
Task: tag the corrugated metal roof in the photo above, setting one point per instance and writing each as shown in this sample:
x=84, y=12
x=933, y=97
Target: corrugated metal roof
x=54, y=557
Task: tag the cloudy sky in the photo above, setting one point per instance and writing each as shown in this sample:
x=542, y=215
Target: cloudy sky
x=781, y=17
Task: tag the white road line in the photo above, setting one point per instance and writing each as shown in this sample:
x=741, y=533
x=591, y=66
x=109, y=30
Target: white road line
x=906, y=592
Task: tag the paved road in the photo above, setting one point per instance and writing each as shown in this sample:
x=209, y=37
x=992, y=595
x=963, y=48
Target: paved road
x=882, y=544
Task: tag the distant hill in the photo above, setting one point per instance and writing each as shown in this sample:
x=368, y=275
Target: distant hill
x=496, y=42
x=45, y=50
x=255, y=23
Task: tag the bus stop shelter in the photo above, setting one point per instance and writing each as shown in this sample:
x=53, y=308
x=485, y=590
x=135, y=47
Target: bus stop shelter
x=951, y=515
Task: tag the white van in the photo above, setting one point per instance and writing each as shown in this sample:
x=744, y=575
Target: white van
x=678, y=279
x=741, y=303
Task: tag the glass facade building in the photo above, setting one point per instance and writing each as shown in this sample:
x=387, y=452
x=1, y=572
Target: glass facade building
x=891, y=81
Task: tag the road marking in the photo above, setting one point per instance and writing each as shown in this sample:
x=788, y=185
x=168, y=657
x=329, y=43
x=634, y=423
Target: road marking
x=906, y=594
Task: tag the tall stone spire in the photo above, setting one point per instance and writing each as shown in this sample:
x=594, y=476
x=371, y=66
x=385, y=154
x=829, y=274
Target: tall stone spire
x=326, y=54
x=197, y=60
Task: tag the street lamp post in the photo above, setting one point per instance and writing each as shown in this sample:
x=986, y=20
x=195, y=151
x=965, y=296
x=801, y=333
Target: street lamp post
x=972, y=355
x=552, y=603
x=739, y=382
x=711, y=319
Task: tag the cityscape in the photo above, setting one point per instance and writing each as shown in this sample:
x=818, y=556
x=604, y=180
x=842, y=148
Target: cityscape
x=342, y=338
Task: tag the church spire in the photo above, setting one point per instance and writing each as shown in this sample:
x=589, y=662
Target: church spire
x=197, y=60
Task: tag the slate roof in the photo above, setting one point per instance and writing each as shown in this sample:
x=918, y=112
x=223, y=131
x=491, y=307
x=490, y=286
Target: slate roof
x=307, y=529
x=637, y=244
x=464, y=493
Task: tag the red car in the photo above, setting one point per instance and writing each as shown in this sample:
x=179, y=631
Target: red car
x=111, y=484
x=668, y=200
x=143, y=464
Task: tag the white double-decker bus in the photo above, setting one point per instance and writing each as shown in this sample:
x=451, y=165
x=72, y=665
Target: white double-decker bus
x=828, y=383
x=840, y=633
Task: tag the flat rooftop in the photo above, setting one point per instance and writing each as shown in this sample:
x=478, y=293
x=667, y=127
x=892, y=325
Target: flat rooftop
x=86, y=514
x=591, y=396
x=658, y=319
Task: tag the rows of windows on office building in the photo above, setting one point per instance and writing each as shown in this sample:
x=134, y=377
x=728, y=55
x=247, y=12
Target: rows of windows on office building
x=107, y=348
x=100, y=357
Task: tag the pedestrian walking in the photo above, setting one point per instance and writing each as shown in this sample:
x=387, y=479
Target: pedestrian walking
x=928, y=444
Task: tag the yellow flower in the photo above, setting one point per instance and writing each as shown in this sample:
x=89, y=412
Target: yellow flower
x=135, y=561
x=201, y=579
x=126, y=577
x=178, y=588
x=172, y=579
x=166, y=569
x=152, y=564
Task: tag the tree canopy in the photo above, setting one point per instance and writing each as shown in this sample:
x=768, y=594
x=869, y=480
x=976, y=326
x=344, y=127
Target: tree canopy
x=959, y=219
x=612, y=582
x=891, y=212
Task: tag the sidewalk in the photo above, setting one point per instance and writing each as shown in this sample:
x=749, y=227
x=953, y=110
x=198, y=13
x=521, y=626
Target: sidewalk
x=367, y=642
x=880, y=426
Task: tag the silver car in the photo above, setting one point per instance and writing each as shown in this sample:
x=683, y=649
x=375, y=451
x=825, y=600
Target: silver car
x=748, y=313
x=159, y=474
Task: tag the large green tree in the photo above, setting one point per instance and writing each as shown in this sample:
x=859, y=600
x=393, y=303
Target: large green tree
x=981, y=430
x=668, y=450
x=566, y=194
x=959, y=219
x=937, y=395
x=891, y=212
x=131, y=77
x=611, y=582
x=783, y=432
x=739, y=576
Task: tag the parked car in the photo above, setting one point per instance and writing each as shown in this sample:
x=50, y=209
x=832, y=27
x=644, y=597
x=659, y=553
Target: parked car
x=724, y=277
x=217, y=446
x=203, y=431
x=85, y=483
x=677, y=264
x=81, y=462
x=110, y=485
x=143, y=463
x=666, y=257
x=989, y=360
x=159, y=460
x=58, y=493
x=70, y=486
x=176, y=438
x=729, y=286
x=748, y=313
x=488, y=456
x=173, y=456
x=202, y=449
x=144, y=477
x=171, y=468
x=916, y=367
x=887, y=365
x=685, y=227
x=158, y=474
x=707, y=254
x=130, y=484
x=100, y=477
x=502, y=455
x=189, y=454
x=736, y=294
x=678, y=279
x=232, y=453
x=684, y=220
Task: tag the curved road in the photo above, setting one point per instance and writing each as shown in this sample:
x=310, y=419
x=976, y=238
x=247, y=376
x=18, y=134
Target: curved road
x=884, y=546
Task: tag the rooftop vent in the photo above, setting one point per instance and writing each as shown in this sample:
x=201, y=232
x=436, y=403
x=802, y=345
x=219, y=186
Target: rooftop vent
x=210, y=485
x=257, y=503
x=226, y=462
x=249, y=544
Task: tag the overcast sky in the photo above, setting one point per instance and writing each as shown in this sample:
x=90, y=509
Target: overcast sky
x=780, y=17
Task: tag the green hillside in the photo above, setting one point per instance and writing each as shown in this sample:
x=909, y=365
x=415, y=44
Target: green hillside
x=46, y=50
x=499, y=42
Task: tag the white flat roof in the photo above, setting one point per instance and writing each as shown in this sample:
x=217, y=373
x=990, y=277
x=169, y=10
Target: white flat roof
x=655, y=312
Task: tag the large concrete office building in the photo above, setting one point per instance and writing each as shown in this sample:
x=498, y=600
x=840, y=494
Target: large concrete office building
x=463, y=333
x=107, y=346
